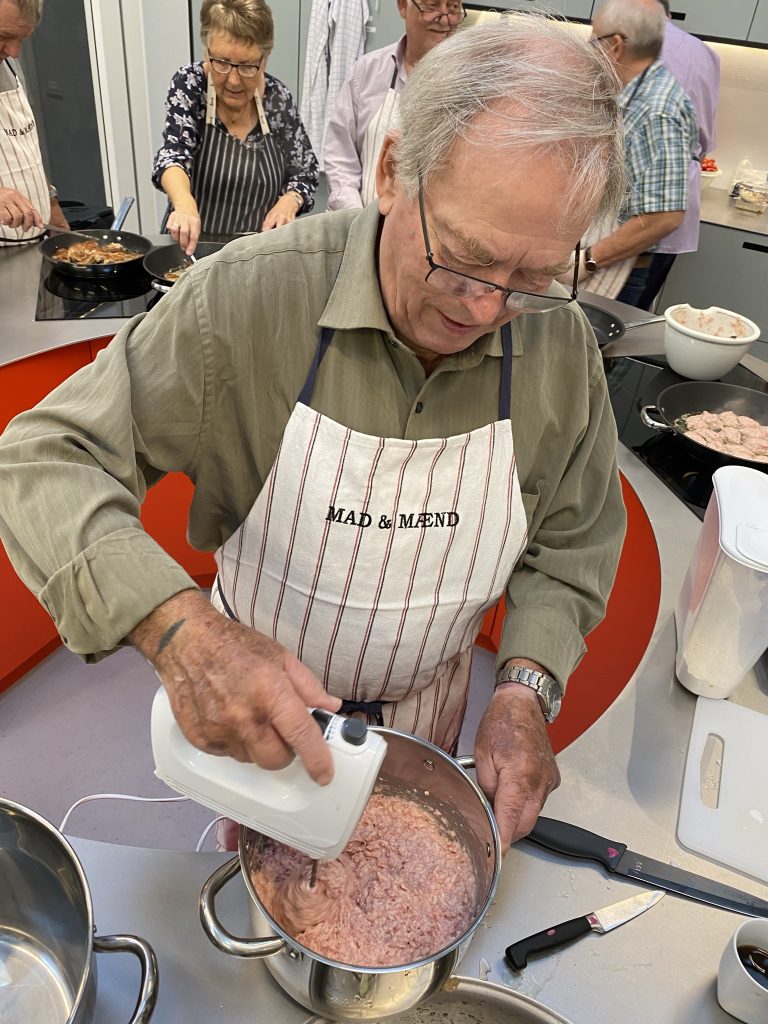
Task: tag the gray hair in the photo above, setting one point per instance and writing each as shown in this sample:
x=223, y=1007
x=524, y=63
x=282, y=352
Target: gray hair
x=246, y=20
x=547, y=91
x=30, y=10
x=641, y=22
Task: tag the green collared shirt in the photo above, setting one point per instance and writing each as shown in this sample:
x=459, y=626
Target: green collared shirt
x=205, y=384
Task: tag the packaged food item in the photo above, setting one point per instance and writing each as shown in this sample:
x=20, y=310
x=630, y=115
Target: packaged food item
x=751, y=199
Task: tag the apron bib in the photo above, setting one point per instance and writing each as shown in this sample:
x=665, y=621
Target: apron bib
x=375, y=134
x=374, y=559
x=235, y=182
x=21, y=164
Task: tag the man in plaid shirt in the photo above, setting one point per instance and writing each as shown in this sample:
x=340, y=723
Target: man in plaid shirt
x=660, y=140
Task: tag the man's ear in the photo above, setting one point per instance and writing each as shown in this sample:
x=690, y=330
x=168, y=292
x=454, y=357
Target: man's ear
x=385, y=175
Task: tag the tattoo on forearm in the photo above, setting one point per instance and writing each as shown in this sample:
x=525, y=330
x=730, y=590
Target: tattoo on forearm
x=168, y=635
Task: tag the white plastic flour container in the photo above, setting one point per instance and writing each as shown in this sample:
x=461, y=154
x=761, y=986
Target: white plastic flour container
x=722, y=611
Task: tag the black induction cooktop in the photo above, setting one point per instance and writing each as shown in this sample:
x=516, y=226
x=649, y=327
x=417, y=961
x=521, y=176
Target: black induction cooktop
x=633, y=383
x=61, y=297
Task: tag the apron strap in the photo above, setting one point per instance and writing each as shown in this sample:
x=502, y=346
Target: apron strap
x=505, y=385
x=374, y=709
x=393, y=82
x=224, y=602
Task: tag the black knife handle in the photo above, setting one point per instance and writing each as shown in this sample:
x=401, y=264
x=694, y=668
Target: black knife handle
x=576, y=842
x=517, y=954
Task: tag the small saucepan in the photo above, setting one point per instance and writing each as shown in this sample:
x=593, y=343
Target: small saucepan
x=47, y=941
x=353, y=993
x=165, y=258
x=681, y=400
x=136, y=243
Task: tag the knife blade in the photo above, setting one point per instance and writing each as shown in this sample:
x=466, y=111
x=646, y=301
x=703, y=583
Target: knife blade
x=600, y=921
x=562, y=837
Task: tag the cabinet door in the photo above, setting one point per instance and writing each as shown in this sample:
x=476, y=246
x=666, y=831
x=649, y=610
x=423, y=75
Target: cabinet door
x=714, y=18
x=729, y=270
x=759, y=31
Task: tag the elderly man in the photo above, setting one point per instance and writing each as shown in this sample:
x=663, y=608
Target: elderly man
x=367, y=103
x=27, y=201
x=392, y=417
x=696, y=66
x=660, y=141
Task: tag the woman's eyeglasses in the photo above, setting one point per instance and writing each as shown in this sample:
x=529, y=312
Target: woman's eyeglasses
x=431, y=11
x=468, y=287
x=224, y=67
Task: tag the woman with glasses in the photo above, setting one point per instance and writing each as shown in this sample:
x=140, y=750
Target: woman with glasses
x=367, y=103
x=235, y=155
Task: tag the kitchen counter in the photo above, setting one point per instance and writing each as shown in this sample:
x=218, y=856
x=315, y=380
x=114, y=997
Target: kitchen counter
x=718, y=208
x=622, y=779
x=24, y=336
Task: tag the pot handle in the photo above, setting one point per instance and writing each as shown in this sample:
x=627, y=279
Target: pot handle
x=465, y=761
x=145, y=1004
x=215, y=931
x=646, y=415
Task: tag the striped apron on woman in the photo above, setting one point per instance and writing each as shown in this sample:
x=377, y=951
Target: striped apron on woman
x=374, y=559
x=236, y=182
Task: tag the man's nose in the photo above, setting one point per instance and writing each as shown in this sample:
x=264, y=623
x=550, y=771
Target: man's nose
x=486, y=308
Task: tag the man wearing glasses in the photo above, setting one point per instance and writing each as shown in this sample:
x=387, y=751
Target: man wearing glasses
x=392, y=418
x=366, y=107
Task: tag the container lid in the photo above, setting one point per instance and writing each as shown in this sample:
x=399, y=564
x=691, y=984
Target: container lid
x=742, y=500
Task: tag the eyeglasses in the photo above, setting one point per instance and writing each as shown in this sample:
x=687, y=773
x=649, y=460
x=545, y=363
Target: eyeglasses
x=468, y=287
x=610, y=35
x=431, y=11
x=224, y=67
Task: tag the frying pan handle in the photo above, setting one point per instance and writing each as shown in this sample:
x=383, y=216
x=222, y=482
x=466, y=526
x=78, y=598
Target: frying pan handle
x=215, y=931
x=122, y=212
x=646, y=415
x=145, y=1004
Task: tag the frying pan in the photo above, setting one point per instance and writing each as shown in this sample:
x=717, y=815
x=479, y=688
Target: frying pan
x=163, y=258
x=608, y=327
x=706, y=396
x=138, y=243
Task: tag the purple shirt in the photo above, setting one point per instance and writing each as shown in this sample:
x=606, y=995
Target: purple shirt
x=360, y=97
x=697, y=68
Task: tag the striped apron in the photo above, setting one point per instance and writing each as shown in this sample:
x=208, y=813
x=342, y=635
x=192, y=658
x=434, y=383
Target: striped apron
x=21, y=164
x=374, y=559
x=375, y=134
x=236, y=182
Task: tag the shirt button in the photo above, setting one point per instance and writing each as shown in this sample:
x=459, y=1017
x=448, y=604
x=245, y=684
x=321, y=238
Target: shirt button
x=419, y=407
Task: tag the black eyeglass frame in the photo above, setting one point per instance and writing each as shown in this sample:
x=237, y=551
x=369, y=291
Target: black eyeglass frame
x=609, y=35
x=437, y=15
x=220, y=60
x=506, y=292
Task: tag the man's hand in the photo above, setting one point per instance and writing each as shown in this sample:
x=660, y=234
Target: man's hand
x=284, y=211
x=515, y=764
x=16, y=211
x=235, y=691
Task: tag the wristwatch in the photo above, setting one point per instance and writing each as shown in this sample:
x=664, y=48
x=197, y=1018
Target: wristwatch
x=590, y=263
x=548, y=690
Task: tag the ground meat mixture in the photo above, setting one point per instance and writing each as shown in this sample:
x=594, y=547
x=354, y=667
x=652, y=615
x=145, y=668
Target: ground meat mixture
x=402, y=889
x=726, y=432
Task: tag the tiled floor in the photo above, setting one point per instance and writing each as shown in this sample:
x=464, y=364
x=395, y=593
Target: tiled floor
x=68, y=730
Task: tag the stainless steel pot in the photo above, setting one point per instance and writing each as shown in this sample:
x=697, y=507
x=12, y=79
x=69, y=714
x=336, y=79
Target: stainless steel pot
x=412, y=767
x=47, y=966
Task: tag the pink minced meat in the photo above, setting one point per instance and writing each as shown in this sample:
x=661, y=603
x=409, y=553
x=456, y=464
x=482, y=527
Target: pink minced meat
x=402, y=889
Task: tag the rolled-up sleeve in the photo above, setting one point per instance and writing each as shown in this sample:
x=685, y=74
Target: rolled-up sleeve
x=301, y=169
x=75, y=469
x=184, y=121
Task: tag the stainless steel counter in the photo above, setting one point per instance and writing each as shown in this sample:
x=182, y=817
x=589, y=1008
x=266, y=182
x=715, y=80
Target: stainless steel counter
x=718, y=208
x=622, y=778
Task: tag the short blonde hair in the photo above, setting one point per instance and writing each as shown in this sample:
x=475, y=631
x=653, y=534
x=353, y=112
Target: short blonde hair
x=247, y=20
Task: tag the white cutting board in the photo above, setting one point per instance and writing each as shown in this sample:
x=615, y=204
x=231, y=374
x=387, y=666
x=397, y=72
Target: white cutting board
x=724, y=805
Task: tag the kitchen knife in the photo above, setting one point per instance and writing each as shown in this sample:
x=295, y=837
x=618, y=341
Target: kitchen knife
x=601, y=921
x=573, y=841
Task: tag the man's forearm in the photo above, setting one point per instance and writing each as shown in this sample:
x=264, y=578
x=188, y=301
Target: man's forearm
x=635, y=236
x=153, y=634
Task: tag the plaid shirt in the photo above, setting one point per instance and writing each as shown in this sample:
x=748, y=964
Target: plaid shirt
x=660, y=139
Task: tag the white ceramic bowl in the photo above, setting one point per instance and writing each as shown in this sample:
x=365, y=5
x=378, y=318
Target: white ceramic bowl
x=704, y=344
x=707, y=177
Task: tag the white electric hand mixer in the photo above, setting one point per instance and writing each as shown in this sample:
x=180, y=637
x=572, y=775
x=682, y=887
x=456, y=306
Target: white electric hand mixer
x=287, y=804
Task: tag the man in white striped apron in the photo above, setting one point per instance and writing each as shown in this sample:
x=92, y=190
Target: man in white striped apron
x=27, y=201
x=392, y=418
